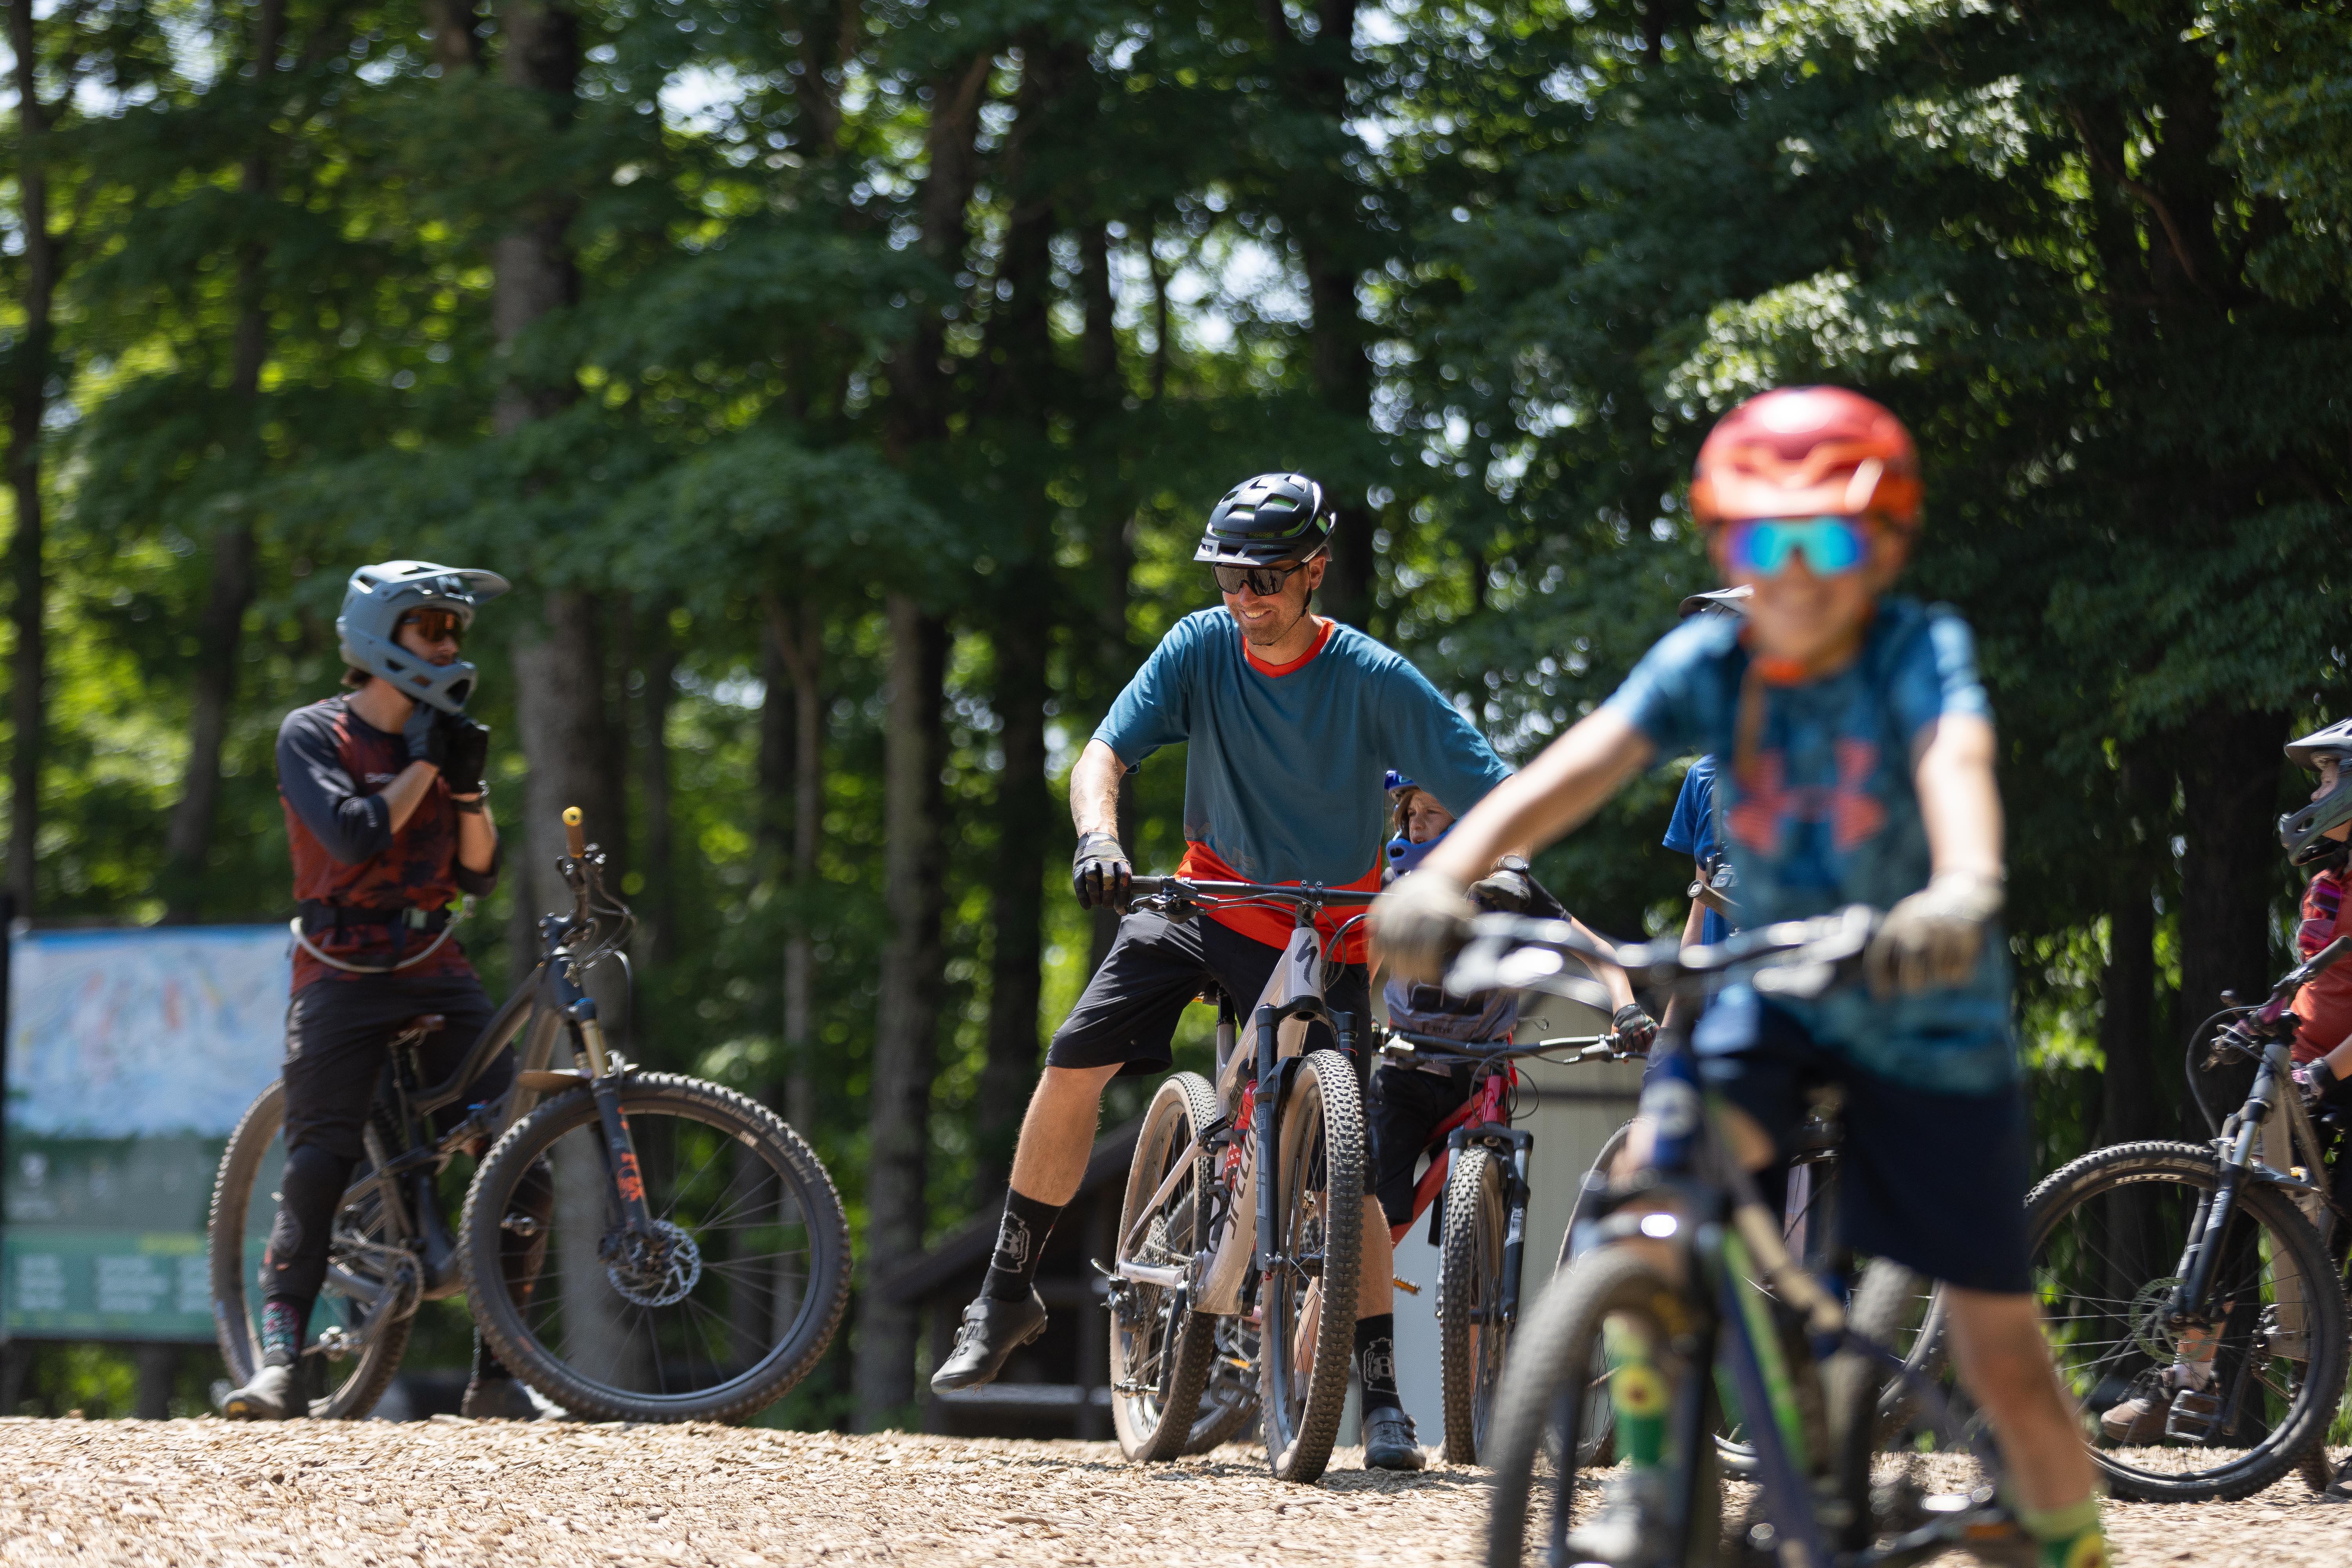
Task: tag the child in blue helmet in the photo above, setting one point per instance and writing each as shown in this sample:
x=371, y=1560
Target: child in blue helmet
x=1409, y=1103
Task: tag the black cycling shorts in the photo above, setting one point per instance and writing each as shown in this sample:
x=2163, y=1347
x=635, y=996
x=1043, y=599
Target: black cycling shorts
x=1407, y=1105
x=1127, y=1015
x=337, y=1032
x=1935, y=1182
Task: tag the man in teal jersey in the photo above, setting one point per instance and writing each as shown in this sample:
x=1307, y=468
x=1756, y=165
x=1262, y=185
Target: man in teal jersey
x=1292, y=721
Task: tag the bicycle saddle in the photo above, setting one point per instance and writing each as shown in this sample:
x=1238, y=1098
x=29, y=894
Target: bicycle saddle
x=423, y=1024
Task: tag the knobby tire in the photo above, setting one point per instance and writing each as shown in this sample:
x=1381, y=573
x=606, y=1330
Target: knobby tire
x=751, y=1125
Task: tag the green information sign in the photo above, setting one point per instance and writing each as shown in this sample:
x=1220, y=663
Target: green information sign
x=130, y=1056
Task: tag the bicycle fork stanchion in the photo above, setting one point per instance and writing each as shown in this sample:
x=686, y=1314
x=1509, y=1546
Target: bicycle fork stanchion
x=1265, y=1024
x=1515, y=1237
x=2189, y=1303
x=604, y=1086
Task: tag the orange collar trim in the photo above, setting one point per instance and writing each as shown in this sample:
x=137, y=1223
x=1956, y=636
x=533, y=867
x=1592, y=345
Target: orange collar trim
x=1278, y=670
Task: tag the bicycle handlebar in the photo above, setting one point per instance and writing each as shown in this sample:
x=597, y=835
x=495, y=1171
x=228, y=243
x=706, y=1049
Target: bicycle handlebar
x=2301, y=974
x=1794, y=958
x=1192, y=891
x=1437, y=1047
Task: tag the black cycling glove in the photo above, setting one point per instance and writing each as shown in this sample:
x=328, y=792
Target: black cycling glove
x=1099, y=872
x=465, y=751
x=1636, y=1030
x=1509, y=887
x=429, y=739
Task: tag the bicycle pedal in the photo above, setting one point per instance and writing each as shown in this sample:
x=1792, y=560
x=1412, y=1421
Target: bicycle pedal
x=2193, y=1414
x=1405, y=1285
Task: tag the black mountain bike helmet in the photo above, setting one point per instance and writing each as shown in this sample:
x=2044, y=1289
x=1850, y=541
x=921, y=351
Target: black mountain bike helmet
x=1274, y=517
x=2304, y=833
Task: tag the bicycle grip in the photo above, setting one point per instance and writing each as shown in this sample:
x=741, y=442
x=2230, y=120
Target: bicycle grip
x=575, y=837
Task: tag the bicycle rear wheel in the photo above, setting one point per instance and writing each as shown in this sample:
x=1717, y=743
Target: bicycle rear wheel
x=360, y=1325
x=1471, y=1334
x=713, y=1317
x=1159, y=1349
x=1308, y=1301
x=1555, y=1389
x=2108, y=1233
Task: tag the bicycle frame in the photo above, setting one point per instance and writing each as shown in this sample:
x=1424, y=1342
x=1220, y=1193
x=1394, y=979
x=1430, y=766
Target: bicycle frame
x=1731, y=1243
x=549, y=1004
x=1251, y=1087
x=2267, y=1140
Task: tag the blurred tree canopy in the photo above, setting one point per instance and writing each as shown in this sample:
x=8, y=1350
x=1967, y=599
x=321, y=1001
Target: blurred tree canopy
x=844, y=383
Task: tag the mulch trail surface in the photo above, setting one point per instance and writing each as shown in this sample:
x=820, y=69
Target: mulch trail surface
x=459, y=1492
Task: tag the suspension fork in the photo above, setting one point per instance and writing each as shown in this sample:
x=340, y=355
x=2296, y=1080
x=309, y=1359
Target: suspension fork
x=620, y=1150
x=2190, y=1300
x=1514, y=1235
x=1263, y=1022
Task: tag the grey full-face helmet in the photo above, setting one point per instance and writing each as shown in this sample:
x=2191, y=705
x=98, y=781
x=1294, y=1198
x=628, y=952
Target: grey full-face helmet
x=2304, y=833
x=374, y=603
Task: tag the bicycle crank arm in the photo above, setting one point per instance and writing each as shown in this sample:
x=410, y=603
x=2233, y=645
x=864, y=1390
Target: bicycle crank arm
x=1150, y=1274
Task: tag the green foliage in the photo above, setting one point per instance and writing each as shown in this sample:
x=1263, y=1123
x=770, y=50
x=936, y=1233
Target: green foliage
x=2095, y=254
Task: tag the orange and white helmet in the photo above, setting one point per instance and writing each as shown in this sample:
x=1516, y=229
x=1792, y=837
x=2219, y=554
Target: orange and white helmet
x=1807, y=451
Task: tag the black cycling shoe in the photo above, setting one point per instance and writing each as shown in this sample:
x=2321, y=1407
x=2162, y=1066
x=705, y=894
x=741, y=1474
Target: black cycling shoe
x=992, y=1331
x=274, y=1395
x=496, y=1399
x=1389, y=1442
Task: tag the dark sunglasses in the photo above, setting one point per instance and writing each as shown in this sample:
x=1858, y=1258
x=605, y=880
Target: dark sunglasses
x=435, y=625
x=1261, y=581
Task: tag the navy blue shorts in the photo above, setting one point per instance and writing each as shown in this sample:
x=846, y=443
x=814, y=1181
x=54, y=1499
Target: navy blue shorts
x=1935, y=1182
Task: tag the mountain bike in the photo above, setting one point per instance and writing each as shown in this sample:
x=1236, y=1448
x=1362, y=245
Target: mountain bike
x=1241, y=1233
x=1743, y=1329
x=634, y=1246
x=2191, y=1292
x=1475, y=1193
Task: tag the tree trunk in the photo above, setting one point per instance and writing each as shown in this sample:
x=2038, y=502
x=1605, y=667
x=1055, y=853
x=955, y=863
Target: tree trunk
x=1023, y=823
x=905, y=1042
x=2130, y=1108
x=656, y=663
x=220, y=636
x=2230, y=787
x=28, y=405
x=801, y=638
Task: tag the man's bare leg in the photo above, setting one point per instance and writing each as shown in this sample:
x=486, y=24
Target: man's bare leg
x=1048, y=1163
x=1058, y=1133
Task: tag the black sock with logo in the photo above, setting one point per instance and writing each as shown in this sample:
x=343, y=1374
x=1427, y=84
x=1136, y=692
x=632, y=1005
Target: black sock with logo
x=1013, y=1268
x=1376, y=1362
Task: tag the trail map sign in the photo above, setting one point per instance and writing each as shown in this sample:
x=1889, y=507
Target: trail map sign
x=131, y=1055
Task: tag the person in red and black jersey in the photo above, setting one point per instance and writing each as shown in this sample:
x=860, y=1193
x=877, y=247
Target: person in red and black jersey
x=389, y=826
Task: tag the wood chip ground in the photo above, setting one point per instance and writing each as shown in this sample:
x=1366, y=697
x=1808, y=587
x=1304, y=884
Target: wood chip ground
x=456, y=1492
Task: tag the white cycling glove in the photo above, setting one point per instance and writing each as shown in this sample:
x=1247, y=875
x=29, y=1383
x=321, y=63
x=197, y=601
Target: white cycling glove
x=1933, y=937
x=1421, y=922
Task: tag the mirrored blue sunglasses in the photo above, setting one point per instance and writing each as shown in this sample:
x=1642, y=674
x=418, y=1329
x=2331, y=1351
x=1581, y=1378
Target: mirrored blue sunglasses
x=1831, y=544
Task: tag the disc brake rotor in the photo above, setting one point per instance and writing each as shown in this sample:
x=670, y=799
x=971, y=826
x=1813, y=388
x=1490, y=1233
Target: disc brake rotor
x=659, y=1270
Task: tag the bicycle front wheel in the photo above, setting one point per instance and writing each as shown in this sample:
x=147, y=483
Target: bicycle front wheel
x=1542, y=1440
x=714, y=1315
x=360, y=1324
x=1159, y=1349
x=1471, y=1333
x=1308, y=1300
x=2185, y=1413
